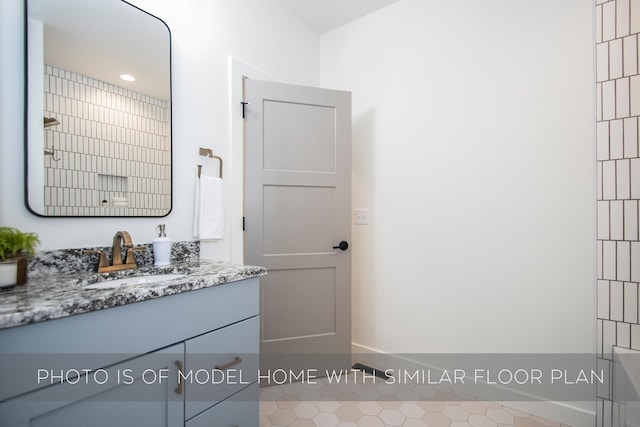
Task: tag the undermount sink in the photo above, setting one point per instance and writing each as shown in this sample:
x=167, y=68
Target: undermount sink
x=134, y=281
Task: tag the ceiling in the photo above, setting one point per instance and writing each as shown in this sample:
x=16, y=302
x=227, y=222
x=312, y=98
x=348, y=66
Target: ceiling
x=103, y=39
x=325, y=15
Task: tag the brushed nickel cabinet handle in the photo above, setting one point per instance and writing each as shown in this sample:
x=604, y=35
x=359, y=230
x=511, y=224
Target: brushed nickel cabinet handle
x=178, y=389
x=235, y=361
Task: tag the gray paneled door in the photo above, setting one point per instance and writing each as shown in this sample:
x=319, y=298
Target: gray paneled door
x=297, y=205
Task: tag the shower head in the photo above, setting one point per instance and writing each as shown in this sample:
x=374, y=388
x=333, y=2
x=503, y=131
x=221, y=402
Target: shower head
x=50, y=121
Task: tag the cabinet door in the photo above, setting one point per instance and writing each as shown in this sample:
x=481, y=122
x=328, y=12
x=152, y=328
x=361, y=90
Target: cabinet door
x=140, y=392
x=240, y=410
x=221, y=363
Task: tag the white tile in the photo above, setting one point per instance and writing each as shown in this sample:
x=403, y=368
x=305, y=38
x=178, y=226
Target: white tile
x=599, y=257
x=598, y=102
x=623, y=335
x=615, y=59
x=602, y=390
x=622, y=97
x=638, y=43
x=630, y=137
x=603, y=220
x=56, y=179
x=622, y=179
x=56, y=105
x=635, y=178
x=603, y=299
x=635, y=261
x=608, y=21
x=616, y=139
x=608, y=100
x=63, y=177
x=616, y=293
x=634, y=94
x=635, y=16
x=609, y=264
x=608, y=338
x=598, y=180
x=622, y=18
x=630, y=220
x=599, y=336
x=630, y=55
x=635, y=337
x=602, y=62
x=619, y=415
x=616, y=218
x=609, y=179
x=623, y=260
x=631, y=302
x=598, y=24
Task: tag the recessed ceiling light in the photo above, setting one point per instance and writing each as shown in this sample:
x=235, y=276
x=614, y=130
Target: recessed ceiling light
x=127, y=77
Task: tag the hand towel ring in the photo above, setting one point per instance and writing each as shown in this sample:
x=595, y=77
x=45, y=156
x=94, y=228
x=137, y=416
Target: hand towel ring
x=208, y=152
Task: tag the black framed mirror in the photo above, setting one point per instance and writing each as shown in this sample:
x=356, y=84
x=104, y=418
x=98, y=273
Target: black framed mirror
x=98, y=111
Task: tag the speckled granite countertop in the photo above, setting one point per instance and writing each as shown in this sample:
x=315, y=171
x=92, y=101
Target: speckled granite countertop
x=61, y=295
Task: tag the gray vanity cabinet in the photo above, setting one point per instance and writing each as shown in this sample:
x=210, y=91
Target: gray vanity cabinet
x=130, y=401
x=143, y=348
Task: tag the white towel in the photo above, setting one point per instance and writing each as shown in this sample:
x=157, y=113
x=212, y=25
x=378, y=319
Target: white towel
x=209, y=211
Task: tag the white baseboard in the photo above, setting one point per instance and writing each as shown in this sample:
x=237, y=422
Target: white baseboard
x=575, y=414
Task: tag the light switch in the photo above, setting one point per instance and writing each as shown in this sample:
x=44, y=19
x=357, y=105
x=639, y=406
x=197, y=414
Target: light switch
x=362, y=216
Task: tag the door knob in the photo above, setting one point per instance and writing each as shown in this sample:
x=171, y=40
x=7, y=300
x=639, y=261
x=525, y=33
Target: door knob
x=343, y=246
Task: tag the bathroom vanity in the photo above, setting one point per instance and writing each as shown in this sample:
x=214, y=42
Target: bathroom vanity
x=182, y=351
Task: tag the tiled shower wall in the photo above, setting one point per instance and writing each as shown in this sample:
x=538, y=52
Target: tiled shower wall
x=618, y=188
x=113, y=148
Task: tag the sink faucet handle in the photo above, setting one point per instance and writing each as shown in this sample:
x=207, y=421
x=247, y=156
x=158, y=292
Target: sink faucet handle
x=130, y=259
x=103, y=257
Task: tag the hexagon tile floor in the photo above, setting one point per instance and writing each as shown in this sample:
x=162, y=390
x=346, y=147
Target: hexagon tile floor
x=346, y=405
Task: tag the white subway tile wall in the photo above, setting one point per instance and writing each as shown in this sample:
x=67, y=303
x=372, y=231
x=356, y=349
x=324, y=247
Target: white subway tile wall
x=114, y=147
x=618, y=188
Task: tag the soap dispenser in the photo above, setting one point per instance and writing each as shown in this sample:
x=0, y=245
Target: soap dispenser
x=161, y=247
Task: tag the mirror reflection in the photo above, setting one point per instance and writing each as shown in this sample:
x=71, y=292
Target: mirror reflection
x=98, y=110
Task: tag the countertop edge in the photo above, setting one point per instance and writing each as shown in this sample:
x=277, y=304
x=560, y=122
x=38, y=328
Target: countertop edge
x=31, y=309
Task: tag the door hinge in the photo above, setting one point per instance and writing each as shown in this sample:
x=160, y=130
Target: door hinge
x=244, y=104
x=242, y=223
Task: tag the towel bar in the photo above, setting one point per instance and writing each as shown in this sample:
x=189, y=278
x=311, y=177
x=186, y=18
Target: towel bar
x=208, y=152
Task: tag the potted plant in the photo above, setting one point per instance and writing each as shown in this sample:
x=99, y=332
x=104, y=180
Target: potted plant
x=15, y=246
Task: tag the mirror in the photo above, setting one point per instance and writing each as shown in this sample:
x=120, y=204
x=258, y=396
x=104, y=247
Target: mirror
x=96, y=144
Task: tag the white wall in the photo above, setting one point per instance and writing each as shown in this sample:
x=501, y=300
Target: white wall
x=473, y=148
x=204, y=34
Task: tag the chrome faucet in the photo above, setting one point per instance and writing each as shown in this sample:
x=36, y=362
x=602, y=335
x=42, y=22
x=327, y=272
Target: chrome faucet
x=120, y=240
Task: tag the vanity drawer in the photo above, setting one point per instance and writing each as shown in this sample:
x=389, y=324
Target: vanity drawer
x=240, y=410
x=220, y=363
x=139, y=392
